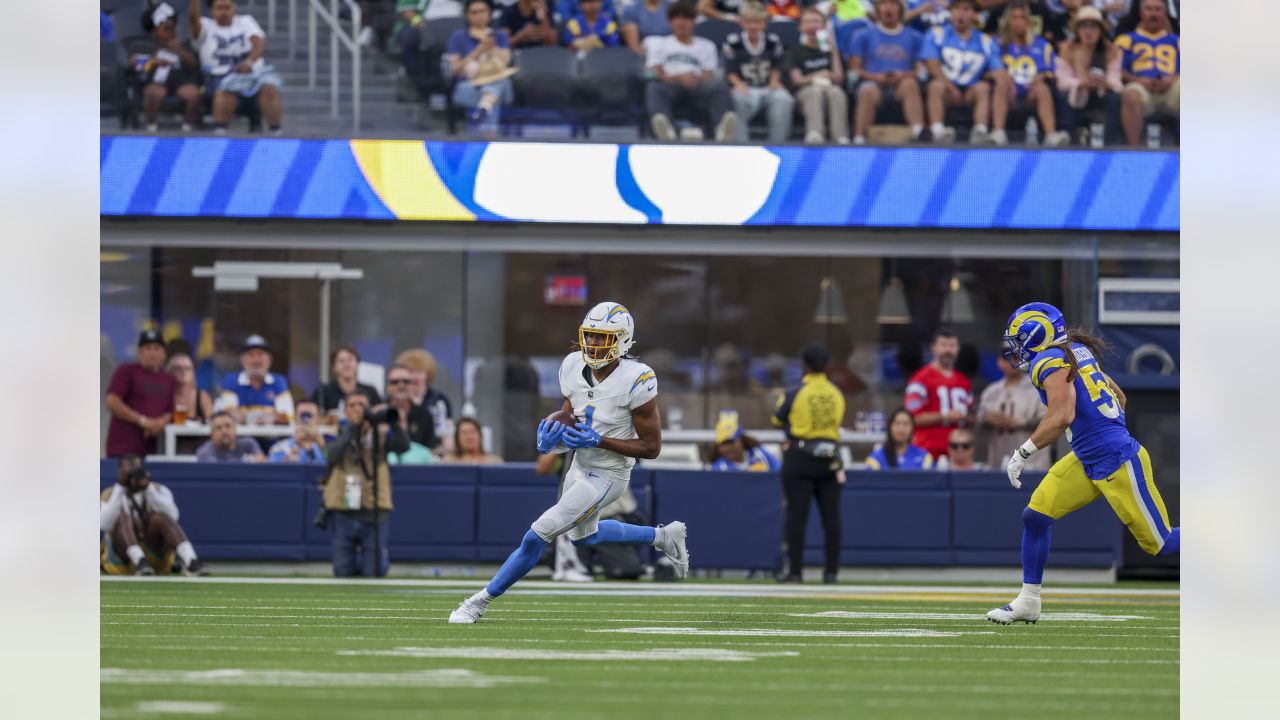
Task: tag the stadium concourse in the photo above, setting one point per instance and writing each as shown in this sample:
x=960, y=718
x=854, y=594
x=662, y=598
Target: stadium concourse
x=914, y=75
x=319, y=648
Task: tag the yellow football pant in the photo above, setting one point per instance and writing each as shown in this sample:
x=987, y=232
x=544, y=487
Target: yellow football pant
x=1131, y=491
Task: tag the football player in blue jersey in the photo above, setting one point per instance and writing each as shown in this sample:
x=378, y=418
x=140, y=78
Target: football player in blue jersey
x=964, y=64
x=1105, y=461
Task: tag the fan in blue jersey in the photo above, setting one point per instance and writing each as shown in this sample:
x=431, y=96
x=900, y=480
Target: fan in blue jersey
x=591, y=28
x=735, y=450
x=924, y=15
x=1105, y=461
x=898, y=453
x=964, y=63
x=885, y=55
x=1029, y=59
x=1151, y=67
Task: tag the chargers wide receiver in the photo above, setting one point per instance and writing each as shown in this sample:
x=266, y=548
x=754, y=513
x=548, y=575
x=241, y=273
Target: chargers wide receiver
x=1105, y=461
x=613, y=398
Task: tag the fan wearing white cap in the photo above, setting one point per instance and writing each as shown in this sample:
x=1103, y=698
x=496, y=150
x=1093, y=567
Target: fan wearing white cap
x=168, y=67
x=610, y=418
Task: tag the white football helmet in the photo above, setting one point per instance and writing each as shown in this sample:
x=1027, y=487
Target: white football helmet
x=617, y=329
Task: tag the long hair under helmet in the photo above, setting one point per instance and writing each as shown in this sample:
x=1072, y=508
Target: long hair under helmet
x=1032, y=329
x=612, y=320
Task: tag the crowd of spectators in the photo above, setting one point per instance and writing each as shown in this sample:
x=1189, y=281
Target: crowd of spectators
x=160, y=389
x=210, y=66
x=926, y=64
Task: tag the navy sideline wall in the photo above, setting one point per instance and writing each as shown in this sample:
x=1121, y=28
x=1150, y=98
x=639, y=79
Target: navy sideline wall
x=452, y=513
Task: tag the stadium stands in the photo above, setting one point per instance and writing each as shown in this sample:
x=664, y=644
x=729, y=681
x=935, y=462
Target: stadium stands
x=570, y=96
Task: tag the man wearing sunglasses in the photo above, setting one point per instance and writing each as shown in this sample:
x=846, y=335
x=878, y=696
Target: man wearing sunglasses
x=417, y=418
x=961, y=447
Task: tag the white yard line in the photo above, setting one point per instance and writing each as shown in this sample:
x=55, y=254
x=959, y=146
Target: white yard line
x=545, y=587
x=1058, y=617
x=497, y=653
x=775, y=632
x=442, y=678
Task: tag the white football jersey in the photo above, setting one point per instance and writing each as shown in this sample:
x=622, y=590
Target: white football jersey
x=608, y=405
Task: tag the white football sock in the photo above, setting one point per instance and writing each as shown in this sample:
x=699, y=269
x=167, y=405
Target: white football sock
x=937, y=129
x=186, y=553
x=136, y=556
x=483, y=596
x=1030, y=590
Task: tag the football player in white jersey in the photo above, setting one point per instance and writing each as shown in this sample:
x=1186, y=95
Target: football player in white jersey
x=613, y=400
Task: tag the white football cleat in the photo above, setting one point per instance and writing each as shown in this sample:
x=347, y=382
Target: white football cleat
x=471, y=610
x=1023, y=609
x=572, y=574
x=672, y=544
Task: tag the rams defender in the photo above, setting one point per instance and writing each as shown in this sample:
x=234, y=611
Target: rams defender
x=1105, y=461
x=612, y=399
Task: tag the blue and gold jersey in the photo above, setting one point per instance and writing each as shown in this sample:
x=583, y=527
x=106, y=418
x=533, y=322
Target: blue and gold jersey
x=1025, y=62
x=1151, y=56
x=1098, y=435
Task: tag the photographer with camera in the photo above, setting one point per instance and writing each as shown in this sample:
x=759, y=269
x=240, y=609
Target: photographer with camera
x=357, y=489
x=140, y=517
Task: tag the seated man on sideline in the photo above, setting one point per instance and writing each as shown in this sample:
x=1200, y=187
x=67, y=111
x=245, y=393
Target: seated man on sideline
x=140, y=519
x=961, y=446
x=224, y=447
x=753, y=64
x=256, y=396
x=416, y=419
x=307, y=444
x=684, y=68
x=358, y=474
x=231, y=50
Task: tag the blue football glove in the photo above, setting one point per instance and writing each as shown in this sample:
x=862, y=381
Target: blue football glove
x=581, y=436
x=549, y=435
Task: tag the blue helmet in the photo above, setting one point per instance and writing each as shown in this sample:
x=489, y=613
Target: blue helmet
x=1032, y=329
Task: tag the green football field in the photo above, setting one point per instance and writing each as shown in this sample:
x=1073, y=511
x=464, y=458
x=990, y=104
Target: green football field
x=316, y=649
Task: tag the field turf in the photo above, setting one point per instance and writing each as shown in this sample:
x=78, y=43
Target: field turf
x=315, y=649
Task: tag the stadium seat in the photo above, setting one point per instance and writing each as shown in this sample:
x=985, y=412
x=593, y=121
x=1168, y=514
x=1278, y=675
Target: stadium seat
x=128, y=19
x=787, y=32
x=716, y=30
x=435, y=36
x=609, y=91
x=544, y=87
x=109, y=79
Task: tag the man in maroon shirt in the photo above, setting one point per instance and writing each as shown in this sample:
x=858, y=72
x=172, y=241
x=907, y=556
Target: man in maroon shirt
x=140, y=398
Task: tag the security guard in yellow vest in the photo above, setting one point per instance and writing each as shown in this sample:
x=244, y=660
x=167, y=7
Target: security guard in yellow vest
x=357, y=488
x=811, y=416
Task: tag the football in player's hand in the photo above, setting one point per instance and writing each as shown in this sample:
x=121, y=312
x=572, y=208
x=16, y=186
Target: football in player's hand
x=563, y=417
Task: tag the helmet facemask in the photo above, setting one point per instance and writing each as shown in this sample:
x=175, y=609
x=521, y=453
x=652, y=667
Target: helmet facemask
x=1015, y=354
x=604, y=346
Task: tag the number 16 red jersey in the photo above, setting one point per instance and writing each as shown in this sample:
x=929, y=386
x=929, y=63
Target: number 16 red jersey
x=933, y=390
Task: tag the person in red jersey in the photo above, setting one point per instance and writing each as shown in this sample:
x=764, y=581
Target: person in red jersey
x=938, y=396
